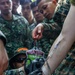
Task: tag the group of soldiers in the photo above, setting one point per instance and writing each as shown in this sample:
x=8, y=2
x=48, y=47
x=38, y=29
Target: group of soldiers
x=40, y=22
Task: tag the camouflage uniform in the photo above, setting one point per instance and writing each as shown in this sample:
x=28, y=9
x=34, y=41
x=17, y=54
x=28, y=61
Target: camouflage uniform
x=17, y=33
x=14, y=72
x=67, y=66
x=51, y=29
x=43, y=44
x=32, y=25
x=61, y=12
x=54, y=26
x=73, y=2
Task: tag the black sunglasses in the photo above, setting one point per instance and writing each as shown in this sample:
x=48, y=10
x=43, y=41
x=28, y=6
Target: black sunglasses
x=20, y=60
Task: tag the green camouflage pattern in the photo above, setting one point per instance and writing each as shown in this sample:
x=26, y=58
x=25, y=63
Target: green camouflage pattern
x=11, y=72
x=61, y=12
x=44, y=44
x=32, y=25
x=73, y=2
x=53, y=26
x=14, y=72
x=17, y=33
x=51, y=29
x=67, y=66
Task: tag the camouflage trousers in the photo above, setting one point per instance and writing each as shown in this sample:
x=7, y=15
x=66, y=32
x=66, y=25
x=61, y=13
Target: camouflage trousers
x=67, y=67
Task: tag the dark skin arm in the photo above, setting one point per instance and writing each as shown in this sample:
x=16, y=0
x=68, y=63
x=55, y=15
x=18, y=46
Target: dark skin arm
x=3, y=58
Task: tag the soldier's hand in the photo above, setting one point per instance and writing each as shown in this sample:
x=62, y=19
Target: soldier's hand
x=37, y=32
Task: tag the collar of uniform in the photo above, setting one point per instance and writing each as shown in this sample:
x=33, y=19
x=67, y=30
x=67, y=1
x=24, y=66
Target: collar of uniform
x=48, y=20
x=15, y=17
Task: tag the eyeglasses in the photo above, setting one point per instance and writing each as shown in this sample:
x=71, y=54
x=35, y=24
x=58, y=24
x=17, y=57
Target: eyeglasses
x=20, y=60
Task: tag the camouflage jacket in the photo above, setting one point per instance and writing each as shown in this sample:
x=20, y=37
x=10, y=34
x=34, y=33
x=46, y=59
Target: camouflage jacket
x=14, y=72
x=45, y=45
x=53, y=27
x=17, y=33
x=32, y=25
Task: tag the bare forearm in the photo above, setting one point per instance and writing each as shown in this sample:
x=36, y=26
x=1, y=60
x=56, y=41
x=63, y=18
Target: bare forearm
x=64, y=42
x=58, y=52
x=3, y=58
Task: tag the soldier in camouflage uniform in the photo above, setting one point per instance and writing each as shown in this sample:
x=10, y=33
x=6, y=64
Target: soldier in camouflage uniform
x=16, y=4
x=43, y=43
x=53, y=24
x=19, y=71
x=62, y=46
x=27, y=13
x=3, y=54
x=17, y=62
x=18, y=59
x=50, y=26
x=37, y=15
x=14, y=27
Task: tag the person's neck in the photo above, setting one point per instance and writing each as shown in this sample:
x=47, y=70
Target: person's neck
x=7, y=17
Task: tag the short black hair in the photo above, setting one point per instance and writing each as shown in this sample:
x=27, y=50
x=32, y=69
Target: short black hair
x=34, y=4
x=22, y=2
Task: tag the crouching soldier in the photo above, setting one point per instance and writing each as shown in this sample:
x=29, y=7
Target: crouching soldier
x=17, y=62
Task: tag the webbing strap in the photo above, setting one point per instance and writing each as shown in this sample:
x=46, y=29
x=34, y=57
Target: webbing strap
x=44, y=69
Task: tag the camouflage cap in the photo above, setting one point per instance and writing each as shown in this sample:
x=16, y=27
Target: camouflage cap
x=20, y=51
